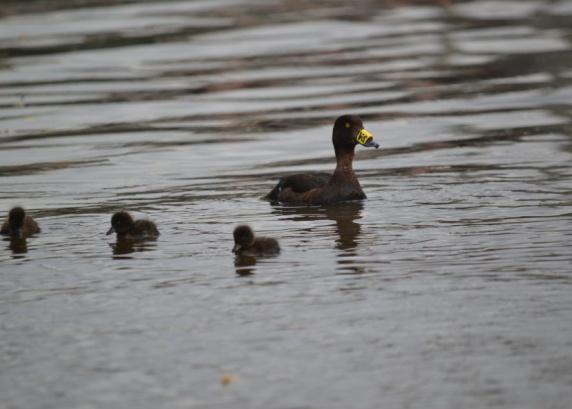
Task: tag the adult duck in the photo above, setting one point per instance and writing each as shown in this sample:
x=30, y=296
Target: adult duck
x=323, y=188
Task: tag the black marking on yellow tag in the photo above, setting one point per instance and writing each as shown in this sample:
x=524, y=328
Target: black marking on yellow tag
x=364, y=137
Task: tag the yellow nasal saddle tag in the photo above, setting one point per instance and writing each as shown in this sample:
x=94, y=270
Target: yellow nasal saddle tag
x=363, y=137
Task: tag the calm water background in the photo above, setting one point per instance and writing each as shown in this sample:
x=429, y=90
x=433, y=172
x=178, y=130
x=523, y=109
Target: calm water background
x=450, y=287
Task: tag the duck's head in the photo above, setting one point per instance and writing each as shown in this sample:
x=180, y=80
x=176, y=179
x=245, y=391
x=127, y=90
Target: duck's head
x=16, y=219
x=243, y=238
x=349, y=132
x=121, y=222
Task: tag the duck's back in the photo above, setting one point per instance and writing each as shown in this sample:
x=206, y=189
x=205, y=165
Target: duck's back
x=298, y=183
x=323, y=190
x=266, y=245
x=144, y=228
x=29, y=228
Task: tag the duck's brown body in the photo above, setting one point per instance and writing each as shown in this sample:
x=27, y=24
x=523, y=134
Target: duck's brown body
x=19, y=224
x=143, y=229
x=245, y=243
x=126, y=228
x=322, y=188
x=263, y=245
x=342, y=186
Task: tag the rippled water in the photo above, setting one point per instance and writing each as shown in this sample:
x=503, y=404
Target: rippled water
x=448, y=288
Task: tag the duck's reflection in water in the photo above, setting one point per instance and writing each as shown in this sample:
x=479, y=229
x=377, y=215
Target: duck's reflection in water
x=348, y=229
x=345, y=216
x=244, y=265
x=18, y=246
x=123, y=247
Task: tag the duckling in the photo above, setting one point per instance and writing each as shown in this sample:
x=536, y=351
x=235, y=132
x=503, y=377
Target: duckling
x=19, y=225
x=126, y=228
x=323, y=188
x=245, y=243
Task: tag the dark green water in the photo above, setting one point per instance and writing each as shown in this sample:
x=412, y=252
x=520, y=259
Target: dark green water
x=448, y=288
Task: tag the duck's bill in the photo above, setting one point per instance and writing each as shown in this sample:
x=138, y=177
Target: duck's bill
x=111, y=230
x=236, y=248
x=365, y=138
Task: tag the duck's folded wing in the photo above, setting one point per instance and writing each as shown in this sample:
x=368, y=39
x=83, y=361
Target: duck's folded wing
x=299, y=183
x=30, y=227
x=303, y=182
x=145, y=228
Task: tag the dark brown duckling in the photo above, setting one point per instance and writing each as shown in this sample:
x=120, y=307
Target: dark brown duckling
x=323, y=188
x=126, y=228
x=245, y=243
x=19, y=225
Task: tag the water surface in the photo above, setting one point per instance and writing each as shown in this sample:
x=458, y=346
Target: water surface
x=449, y=287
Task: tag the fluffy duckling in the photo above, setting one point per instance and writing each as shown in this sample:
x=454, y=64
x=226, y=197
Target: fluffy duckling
x=126, y=228
x=19, y=225
x=323, y=188
x=245, y=243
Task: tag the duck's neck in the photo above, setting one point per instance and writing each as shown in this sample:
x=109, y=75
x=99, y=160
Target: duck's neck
x=344, y=169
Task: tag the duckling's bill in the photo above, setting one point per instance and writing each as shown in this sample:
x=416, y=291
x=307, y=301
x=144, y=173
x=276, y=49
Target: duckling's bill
x=365, y=138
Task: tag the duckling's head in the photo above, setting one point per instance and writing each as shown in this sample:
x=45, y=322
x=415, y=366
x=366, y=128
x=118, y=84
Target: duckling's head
x=121, y=222
x=243, y=238
x=349, y=131
x=16, y=219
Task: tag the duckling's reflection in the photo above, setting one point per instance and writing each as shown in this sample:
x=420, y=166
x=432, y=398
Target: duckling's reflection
x=18, y=246
x=345, y=215
x=244, y=264
x=122, y=247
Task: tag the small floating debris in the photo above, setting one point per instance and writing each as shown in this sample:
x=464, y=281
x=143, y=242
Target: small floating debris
x=226, y=379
